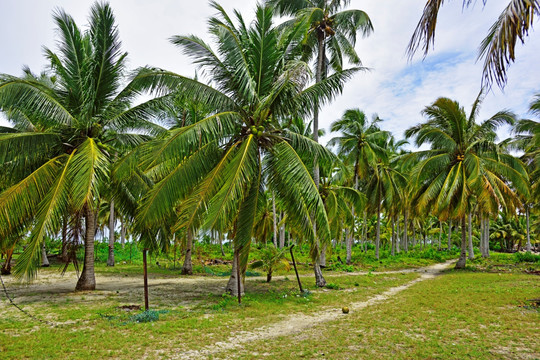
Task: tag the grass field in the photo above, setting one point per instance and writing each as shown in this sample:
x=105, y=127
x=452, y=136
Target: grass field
x=479, y=313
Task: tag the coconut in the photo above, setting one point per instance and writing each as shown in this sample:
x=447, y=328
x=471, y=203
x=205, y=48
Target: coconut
x=345, y=310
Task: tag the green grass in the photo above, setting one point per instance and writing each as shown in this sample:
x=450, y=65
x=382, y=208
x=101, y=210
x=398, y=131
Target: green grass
x=460, y=315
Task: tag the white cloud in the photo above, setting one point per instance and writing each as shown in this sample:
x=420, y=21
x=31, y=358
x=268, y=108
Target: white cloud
x=394, y=88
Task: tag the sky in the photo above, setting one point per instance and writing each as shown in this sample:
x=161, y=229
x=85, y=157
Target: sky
x=394, y=88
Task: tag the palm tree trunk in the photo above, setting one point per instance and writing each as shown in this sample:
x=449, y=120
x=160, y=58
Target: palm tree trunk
x=528, y=246
x=64, y=256
x=364, y=231
x=44, y=259
x=397, y=236
x=322, y=259
x=486, y=247
x=87, y=280
x=405, y=230
x=6, y=268
x=393, y=251
x=413, y=235
x=378, y=233
x=275, y=219
x=232, y=285
x=282, y=233
x=349, y=246
x=482, y=230
x=319, y=278
x=440, y=234
x=463, y=254
x=187, y=268
x=449, y=234
x=112, y=220
x=471, y=249
x=220, y=237
x=122, y=232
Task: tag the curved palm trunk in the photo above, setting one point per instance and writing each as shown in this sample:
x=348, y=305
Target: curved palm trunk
x=110, y=259
x=463, y=254
x=6, y=268
x=87, y=280
x=322, y=259
x=471, y=248
x=187, y=268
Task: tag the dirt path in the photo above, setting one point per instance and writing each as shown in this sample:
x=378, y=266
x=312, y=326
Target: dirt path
x=299, y=322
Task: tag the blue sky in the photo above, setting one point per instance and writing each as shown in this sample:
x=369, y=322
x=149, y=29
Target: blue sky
x=394, y=88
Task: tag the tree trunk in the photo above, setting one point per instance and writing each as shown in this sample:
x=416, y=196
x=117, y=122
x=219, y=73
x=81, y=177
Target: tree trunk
x=471, y=248
x=6, y=268
x=187, y=268
x=440, y=234
x=364, y=231
x=87, y=280
x=463, y=254
x=528, y=246
x=282, y=234
x=393, y=237
x=232, y=285
x=486, y=247
x=220, y=237
x=269, y=277
x=44, y=259
x=65, y=241
x=397, y=236
x=275, y=219
x=112, y=221
x=322, y=259
x=406, y=230
x=319, y=278
x=122, y=232
x=348, y=240
x=449, y=234
x=378, y=233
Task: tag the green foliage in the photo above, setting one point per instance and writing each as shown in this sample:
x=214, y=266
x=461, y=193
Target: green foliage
x=526, y=257
x=332, y=286
x=147, y=316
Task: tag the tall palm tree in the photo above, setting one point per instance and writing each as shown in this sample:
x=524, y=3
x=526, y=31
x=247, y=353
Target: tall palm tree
x=463, y=161
x=327, y=29
x=78, y=120
x=210, y=174
x=359, y=145
x=498, y=47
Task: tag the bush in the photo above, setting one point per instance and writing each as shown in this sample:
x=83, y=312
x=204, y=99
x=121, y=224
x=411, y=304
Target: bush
x=526, y=257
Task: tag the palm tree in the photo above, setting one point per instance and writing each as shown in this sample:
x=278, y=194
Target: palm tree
x=463, y=162
x=359, y=145
x=498, y=47
x=272, y=259
x=327, y=28
x=528, y=140
x=78, y=118
x=209, y=175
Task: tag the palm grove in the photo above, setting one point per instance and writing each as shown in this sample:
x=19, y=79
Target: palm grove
x=237, y=156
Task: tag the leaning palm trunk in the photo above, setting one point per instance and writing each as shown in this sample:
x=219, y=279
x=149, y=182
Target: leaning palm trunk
x=187, y=268
x=322, y=259
x=112, y=220
x=463, y=254
x=6, y=268
x=87, y=280
x=471, y=249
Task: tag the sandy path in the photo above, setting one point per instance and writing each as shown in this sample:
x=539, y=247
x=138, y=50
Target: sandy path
x=299, y=322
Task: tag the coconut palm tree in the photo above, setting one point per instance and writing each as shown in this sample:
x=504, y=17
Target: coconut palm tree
x=327, y=28
x=209, y=175
x=74, y=122
x=498, y=47
x=463, y=162
x=359, y=145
